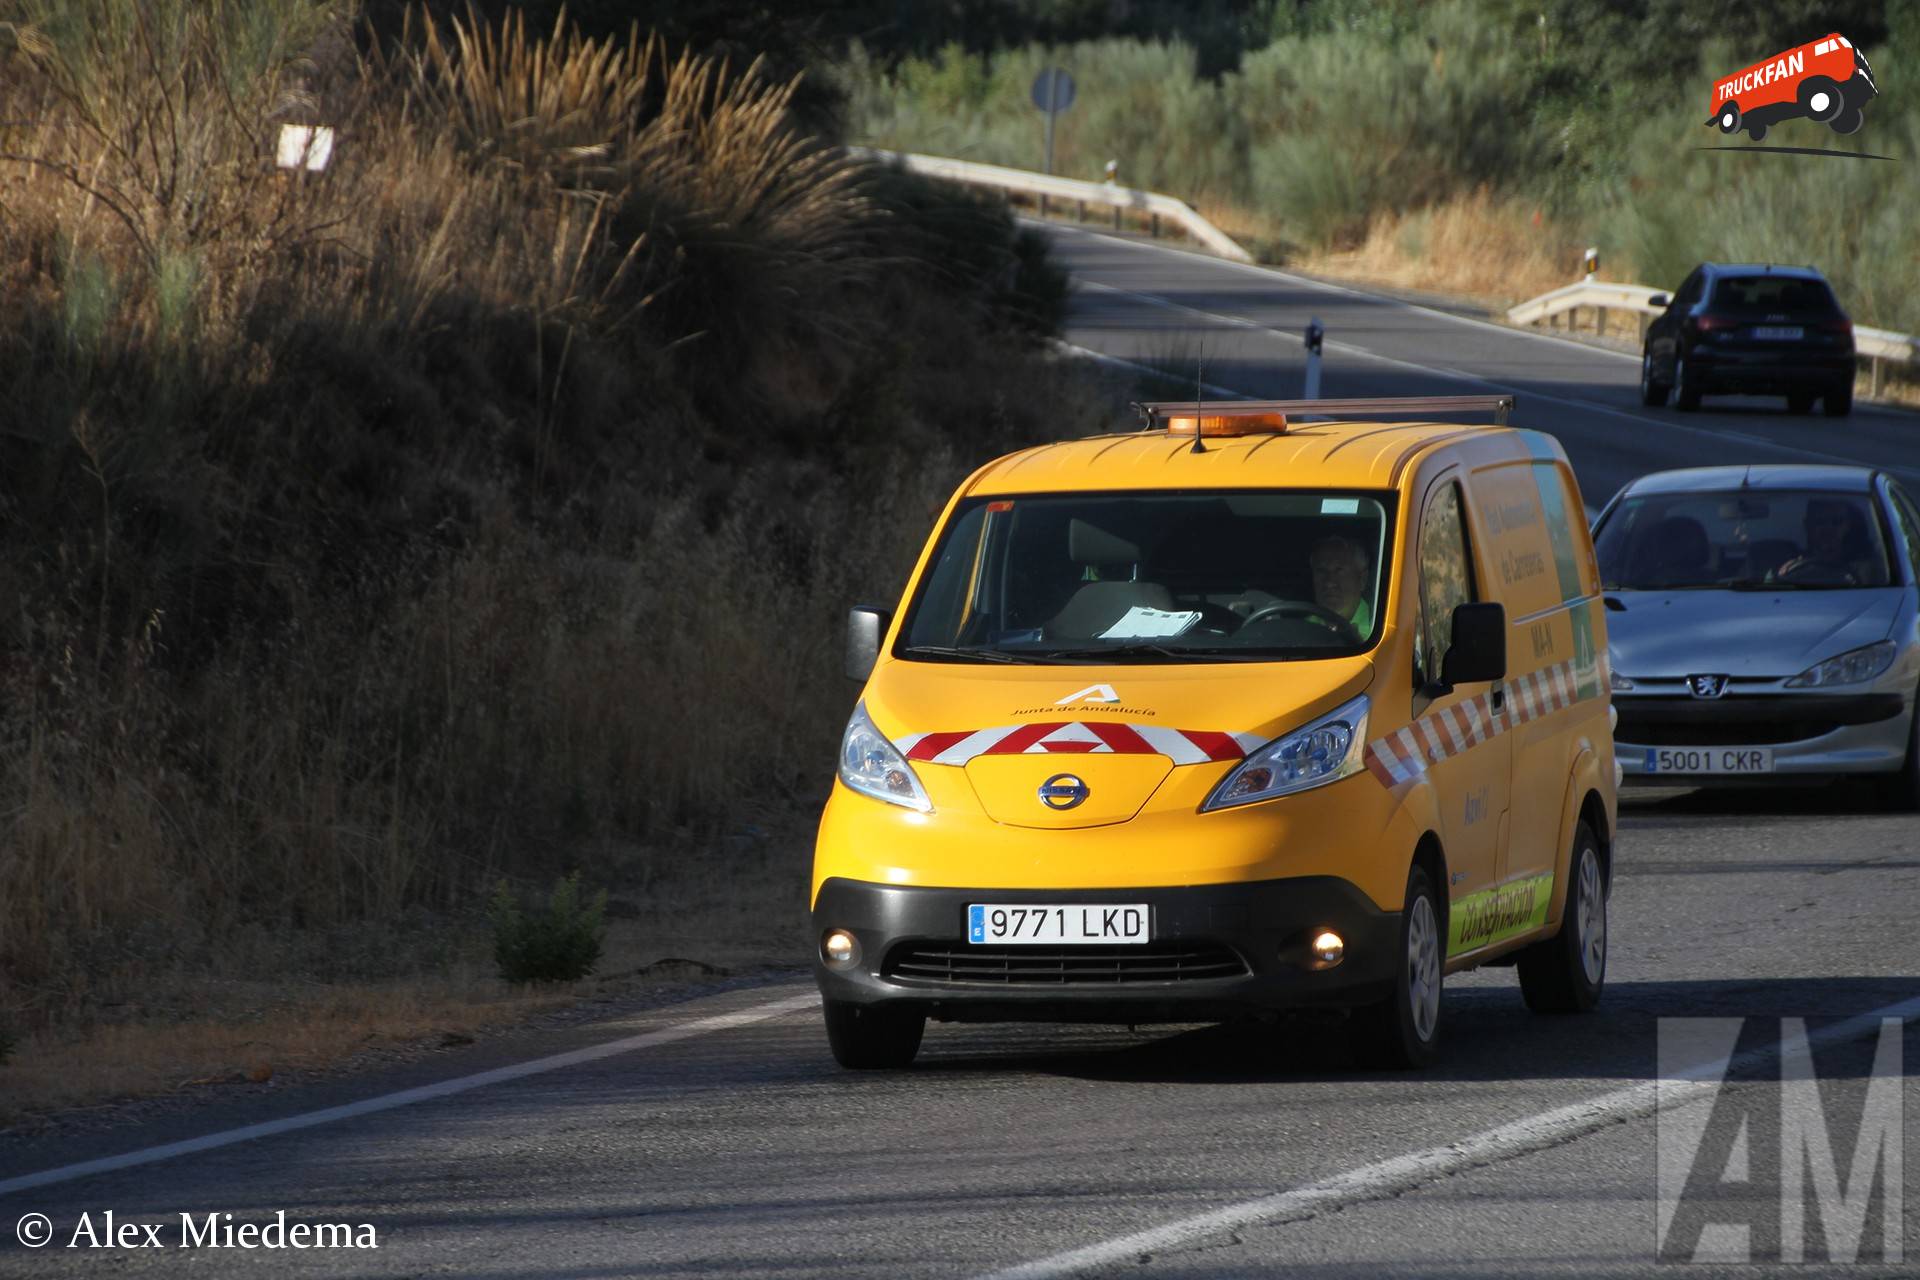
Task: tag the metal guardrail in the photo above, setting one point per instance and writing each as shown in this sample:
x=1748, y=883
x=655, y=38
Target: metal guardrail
x=1873, y=345
x=1150, y=206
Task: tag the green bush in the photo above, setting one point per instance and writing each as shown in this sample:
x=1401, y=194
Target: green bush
x=558, y=944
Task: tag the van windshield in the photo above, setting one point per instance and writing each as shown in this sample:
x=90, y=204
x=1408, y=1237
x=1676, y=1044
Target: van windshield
x=1766, y=538
x=1154, y=578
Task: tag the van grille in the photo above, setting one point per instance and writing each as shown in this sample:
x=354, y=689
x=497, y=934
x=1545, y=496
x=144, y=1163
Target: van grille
x=1153, y=962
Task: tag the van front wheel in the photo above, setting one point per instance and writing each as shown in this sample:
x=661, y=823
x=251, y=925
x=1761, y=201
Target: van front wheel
x=866, y=1037
x=1565, y=973
x=1404, y=1029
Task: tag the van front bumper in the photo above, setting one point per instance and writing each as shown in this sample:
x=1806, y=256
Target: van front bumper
x=1216, y=952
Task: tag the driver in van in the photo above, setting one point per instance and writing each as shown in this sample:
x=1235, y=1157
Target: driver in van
x=1339, y=566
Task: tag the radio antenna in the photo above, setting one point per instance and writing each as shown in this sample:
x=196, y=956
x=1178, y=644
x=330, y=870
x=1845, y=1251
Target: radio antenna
x=1199, y=383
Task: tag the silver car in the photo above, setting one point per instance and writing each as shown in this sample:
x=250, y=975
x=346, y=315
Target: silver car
x=1762, y=625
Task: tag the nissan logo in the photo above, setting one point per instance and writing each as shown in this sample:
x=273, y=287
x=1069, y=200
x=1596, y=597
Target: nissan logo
x=1063, y=791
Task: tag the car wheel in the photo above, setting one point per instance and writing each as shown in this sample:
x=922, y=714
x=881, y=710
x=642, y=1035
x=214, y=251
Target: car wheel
x=1729, y=119
x=1901, y=791
x=1565, y=973
x=1821, y=98
x=866, y=1037
x=1652, y=391
x=1839, y=402
x=1686, y=394
x=1800, y=403
x=1404, y=1029
x=1848, y=121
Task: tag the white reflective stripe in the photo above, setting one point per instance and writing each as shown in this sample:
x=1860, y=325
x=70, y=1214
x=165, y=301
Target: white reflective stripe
x=1249, y=742
x=1171, y=743
x=972, y=745
x=1410, y=750
x=906, y=744
x=1074, y=732
x=1396, y=766
x=1562, y=688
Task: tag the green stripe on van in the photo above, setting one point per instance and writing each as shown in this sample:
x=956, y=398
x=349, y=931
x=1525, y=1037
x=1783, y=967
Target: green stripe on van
x=1494, y=915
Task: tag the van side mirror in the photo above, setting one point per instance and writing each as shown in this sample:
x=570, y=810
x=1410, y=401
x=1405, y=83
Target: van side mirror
x=1659, y=300
x=1479, y=649
x=866, y=624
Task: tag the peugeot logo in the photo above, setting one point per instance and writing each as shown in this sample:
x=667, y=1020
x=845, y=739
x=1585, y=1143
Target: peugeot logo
x=1063, y=791
x=1707, y=686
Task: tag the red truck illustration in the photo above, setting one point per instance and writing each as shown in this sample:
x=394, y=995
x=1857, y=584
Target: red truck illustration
x=1826, y=80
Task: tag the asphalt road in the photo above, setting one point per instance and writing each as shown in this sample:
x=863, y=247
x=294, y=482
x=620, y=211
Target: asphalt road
x=717, y=1138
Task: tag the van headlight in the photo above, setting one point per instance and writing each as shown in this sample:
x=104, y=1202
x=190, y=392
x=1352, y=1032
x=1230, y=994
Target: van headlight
x=874, y=767
x=1325, y=751
x=1849, y=668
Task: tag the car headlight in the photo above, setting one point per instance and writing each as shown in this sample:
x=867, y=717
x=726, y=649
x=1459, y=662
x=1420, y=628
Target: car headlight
x=874, y=767
x=1325, y=751
x=1849, y=668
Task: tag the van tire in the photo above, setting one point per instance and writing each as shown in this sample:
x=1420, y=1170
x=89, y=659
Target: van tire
x=1756, y=130
x=1836, y=100
x=867, y=1037
x=1393, y=1034
x=1566, y=973
x=1849, y=120
x=1729, y=118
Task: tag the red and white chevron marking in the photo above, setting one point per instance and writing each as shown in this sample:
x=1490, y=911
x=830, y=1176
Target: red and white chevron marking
x=1079, y=737
x=1404, y=754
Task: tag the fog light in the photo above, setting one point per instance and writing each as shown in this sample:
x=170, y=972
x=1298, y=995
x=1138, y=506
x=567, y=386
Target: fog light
x=1328, y=947
x=840, y=949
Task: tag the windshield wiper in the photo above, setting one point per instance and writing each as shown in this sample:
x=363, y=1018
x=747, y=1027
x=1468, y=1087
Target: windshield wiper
x=948, y=651
x=1143, y=650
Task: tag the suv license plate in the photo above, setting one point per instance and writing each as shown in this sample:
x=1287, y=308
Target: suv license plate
x=1003, y=924
x=1780, y=333
x=1709, y=760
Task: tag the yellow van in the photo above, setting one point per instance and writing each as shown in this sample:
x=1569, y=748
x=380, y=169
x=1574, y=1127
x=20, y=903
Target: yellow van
x=1238, y=713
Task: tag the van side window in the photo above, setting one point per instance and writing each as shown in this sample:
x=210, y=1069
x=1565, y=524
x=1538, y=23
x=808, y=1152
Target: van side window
x=1446, y=580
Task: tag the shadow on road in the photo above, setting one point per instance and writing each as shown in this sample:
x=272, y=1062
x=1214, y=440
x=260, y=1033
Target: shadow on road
x=1491, y=1037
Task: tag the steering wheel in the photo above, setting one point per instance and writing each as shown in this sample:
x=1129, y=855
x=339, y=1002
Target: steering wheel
x=1306, y=611
x=1806, y=567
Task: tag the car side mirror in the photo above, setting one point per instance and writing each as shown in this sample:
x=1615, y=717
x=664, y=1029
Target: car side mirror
x=1659, y=300
x=866, y=624
x=1479, y=649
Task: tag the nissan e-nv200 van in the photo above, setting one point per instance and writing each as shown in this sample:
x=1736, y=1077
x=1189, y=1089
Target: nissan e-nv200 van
x=1237, y=714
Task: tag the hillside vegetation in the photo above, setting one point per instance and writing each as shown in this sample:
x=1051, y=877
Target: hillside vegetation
x=486, y=503
x=1486, y=142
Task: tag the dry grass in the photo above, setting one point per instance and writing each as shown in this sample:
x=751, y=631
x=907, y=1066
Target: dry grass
x=486, y=505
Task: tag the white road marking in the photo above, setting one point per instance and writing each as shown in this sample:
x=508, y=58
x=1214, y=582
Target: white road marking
x=1592, y=406
x=1274, y=273
x=1134, y=366
x=407, y=1097
x=1403, y=1173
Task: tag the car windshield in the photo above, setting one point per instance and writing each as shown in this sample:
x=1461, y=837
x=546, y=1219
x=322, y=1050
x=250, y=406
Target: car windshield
x=1153, y=577
x=1742, y=539
x=1773, y=294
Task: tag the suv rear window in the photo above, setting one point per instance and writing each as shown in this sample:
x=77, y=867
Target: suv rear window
x=1773, y=293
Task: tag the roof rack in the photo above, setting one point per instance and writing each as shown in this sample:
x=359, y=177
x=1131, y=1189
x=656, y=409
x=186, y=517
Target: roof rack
x=1380, y=406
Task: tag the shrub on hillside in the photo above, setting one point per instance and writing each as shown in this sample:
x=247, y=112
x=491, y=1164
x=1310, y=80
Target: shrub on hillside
x=559, y=942
x=476, y=502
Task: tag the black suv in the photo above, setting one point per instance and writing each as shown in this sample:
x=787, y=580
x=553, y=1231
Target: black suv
x=1746, y=329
